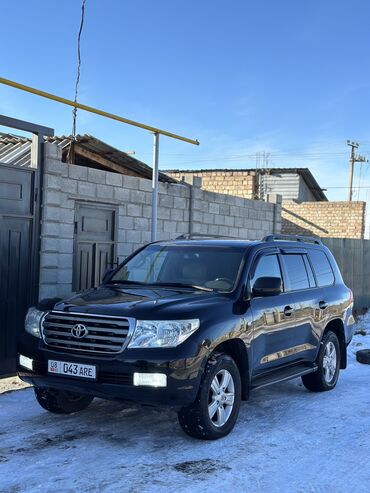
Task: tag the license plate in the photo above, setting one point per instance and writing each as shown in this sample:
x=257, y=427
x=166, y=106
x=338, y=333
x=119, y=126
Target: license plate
x=72, y=369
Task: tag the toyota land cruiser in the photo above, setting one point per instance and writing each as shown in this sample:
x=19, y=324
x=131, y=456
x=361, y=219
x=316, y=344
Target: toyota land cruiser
x=194, y=324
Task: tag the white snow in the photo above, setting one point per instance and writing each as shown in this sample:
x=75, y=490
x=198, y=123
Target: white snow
x=286, y=440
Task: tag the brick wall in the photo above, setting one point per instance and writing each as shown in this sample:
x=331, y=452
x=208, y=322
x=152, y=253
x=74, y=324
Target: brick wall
x=181, y=209
x=332, y=219
x=237, y=183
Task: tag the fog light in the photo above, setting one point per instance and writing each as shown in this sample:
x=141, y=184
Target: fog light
x=26, y=362
x=150, y=379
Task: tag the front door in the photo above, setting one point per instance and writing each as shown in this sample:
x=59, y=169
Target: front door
x=273, y=319
x=95, y=244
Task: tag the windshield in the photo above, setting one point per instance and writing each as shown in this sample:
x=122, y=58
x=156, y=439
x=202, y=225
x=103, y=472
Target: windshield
x=207, y=267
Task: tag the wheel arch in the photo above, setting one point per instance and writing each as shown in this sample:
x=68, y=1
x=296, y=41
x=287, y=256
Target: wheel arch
x=336, y=325
x=237, y=350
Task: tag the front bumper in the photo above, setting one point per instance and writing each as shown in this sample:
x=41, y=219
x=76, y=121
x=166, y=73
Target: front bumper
x=115, y=373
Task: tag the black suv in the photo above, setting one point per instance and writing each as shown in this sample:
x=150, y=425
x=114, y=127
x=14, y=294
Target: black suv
x=194, y=324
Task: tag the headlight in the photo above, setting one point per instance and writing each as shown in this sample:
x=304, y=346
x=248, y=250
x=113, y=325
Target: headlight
x=162, y=333
x=33, y=321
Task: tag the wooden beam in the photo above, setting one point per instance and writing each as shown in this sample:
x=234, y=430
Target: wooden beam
x=105, y=163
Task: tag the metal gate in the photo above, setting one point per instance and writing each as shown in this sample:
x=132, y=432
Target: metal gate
x=95, y=245
x=19, y=240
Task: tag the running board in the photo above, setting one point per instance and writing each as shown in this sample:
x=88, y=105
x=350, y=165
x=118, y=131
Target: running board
x=282, y=375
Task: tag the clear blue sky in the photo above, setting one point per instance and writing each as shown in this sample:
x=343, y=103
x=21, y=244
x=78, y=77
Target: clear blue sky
x=288, y=77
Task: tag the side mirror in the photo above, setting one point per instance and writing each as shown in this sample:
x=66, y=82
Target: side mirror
x=267, y=286
x=107, y=275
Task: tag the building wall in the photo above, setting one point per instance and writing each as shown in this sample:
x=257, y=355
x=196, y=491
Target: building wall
x=181, y=209
x=291, y=186
x=237, y=183
x=332, y=219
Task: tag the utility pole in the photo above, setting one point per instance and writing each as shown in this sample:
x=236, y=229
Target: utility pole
x=354, y=158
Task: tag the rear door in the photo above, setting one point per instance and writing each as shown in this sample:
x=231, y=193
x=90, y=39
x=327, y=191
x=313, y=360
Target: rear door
x=273, y=318
x=301, y=284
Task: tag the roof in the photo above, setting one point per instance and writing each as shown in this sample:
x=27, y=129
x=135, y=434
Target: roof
x=88, y=151
x=305, y=173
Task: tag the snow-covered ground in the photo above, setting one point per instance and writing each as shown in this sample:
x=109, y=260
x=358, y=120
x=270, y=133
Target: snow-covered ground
x=287, y=439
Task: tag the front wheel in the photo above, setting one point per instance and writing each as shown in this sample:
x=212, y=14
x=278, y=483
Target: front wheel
x=328, y=362
x=216, y=408
x=61, y=401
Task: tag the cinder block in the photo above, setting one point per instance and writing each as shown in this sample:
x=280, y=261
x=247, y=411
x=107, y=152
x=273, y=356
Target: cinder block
x=53, y=166
x=52, y=182
x=137, y=197
x=65, y=261
x=130, y=182
x=77, y=172
x=96, y=175
x=104, y=191
x=134, y=210
x=50, y=213
x=50, y=229
x=87, y=189
x=114, y=179
x=145, y=185
x=48, y=276
x=122, y=194
x=51, y=197
x=166, y=201
x=50, y=245
x=126, y=222
x=66, y=230
x=164, y=213
x=141, y=223
x=69, y=186
x=65, y=276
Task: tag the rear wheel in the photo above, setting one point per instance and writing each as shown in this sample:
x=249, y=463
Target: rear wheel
x=62, y=401
x=214, y=412
x=328, y=362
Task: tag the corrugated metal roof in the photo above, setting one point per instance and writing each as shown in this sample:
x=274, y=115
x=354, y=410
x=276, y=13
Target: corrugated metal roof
x=306, y=174
x=16, y=150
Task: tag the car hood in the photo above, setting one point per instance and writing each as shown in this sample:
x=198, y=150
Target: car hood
x=142, y=303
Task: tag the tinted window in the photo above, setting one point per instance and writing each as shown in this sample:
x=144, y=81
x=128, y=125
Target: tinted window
x=322, y=268
x=267, y=266
x=296, y=271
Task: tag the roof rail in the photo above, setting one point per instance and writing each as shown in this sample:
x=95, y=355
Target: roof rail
x=191, y=236
x=299, y=238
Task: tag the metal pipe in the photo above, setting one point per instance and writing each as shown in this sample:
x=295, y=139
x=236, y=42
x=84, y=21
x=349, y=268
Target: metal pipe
x=155, y=187
x=90, y=109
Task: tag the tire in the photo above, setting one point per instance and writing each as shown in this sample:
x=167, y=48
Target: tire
x=197, y=419
x=61, y=401
x=363, y=356
x=328, y=362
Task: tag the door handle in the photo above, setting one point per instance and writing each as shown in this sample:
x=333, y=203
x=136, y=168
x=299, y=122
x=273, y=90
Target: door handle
x=288, y=311
x=323, y=305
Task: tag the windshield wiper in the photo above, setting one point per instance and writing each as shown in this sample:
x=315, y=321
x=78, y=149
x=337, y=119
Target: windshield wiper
x=180, y=285
x=121, y=281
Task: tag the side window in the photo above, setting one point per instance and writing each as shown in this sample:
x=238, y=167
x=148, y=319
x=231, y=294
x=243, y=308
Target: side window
x=267, y=266
x=322, y=268
x=296, y=272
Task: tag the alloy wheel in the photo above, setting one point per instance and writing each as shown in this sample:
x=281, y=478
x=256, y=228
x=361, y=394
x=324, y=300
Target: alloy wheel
x=221, y=398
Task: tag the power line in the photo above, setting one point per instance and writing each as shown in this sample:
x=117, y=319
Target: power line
x=74, y=111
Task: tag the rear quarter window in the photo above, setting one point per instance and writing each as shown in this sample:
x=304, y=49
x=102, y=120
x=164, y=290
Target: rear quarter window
x=322, y=268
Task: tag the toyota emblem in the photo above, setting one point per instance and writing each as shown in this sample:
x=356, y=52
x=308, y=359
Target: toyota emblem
x=79, y=331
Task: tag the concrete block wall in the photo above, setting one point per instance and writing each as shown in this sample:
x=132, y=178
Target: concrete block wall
x=181, y=209
x=325, y=219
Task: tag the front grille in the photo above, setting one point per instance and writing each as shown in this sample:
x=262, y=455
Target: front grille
x=104, y=334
